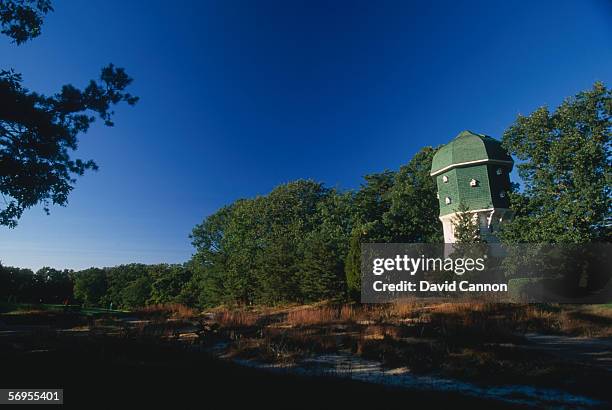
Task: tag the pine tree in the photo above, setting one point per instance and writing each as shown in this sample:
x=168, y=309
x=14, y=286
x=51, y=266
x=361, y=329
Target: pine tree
x=353, y=265
x=466, y=226
x=321, y=272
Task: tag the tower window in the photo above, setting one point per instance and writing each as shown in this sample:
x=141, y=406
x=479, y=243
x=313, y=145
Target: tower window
x=499, y=171
x=473, y=182
x=444, y=179
x=502, y=194
x=447, y=200
x=437, y=195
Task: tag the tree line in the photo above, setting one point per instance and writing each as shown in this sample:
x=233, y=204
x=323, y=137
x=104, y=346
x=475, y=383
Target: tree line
x=124, y=286
x=293, y=245
x=301, y=242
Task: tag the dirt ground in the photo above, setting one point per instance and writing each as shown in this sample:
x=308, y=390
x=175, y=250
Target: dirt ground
x=481, y=355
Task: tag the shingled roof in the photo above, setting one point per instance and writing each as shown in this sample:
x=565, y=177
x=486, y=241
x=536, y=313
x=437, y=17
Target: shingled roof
x=469, y=148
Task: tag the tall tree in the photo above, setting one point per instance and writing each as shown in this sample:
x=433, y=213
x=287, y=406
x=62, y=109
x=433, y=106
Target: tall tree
x=90, y=286
x=39, y=133
x=22, y=20
x=352, y=265
x=372, y=201
x=321, y=269
x=565, y=163
x=55, y=286
x=289, y=214
x=413, y=213
x=167, y=282
x=17, y=285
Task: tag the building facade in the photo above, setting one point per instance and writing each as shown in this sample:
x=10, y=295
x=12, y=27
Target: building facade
x=473, y=171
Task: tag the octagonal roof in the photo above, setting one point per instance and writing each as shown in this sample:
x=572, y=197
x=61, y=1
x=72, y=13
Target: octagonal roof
x=469, y=148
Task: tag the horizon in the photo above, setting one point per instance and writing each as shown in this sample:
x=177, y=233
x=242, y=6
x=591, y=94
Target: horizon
x=237, y=99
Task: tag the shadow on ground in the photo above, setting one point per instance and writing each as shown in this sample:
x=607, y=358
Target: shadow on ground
x=109, y=371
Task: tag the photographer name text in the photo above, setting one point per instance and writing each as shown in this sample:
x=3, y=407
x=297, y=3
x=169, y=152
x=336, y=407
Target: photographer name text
x=426, y=286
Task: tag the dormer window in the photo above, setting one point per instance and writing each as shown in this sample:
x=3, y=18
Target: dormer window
x=473, y=183
x=444, y=179
x=499, y=171
x=447, y=200
x=502, y=194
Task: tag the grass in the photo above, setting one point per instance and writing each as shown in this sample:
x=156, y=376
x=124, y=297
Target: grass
x=324, y=315
x=167, y=310
x=237, y=318
x=28, y=308
x=475, y=341
x=142, y=373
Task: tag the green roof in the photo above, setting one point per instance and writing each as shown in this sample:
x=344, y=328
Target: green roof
x=468, y=148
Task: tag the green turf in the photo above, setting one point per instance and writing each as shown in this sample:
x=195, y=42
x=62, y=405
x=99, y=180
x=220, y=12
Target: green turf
x=18, y=308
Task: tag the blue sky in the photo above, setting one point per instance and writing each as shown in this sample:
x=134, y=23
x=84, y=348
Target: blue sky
x=240, y=96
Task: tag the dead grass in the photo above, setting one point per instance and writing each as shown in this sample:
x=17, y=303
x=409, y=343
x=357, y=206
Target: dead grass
x=236, y=318
x=405, y=308
x=324, y=315
x=590, y=321
x=353, y=313
x=474, y=340
x=168, y=310
x=426, y=337
x=381, y=332
x=438, y=318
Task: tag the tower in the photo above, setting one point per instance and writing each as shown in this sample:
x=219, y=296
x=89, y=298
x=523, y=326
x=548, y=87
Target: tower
x=473, y=170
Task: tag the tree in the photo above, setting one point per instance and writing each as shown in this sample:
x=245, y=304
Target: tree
x=352, y=265
x=372, y=202
x=276, y=273
x=302, y=240
x=17, y=285
x=167, y=282
x=90, y=286
x=22, y=20
x=243, y=241
x=55, y=286
x=321, y=270
x=566, y=169
x=136, y=293
x=413, y=213
x=204, y=288
x=465, y=226
x=325, y=249
x=38, y=133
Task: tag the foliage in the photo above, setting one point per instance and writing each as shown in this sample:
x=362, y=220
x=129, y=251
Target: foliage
x=47, y=285
x=90, y=286
x=413, y=213
x=465, y=226
x=302, y=241
x=37, y=132
x=353, y=265
x=167, y=283
x=124, y=286
x=321, y=270
x=294, y=244
x=372, y=202
x=566, y=168
x=22, y=20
